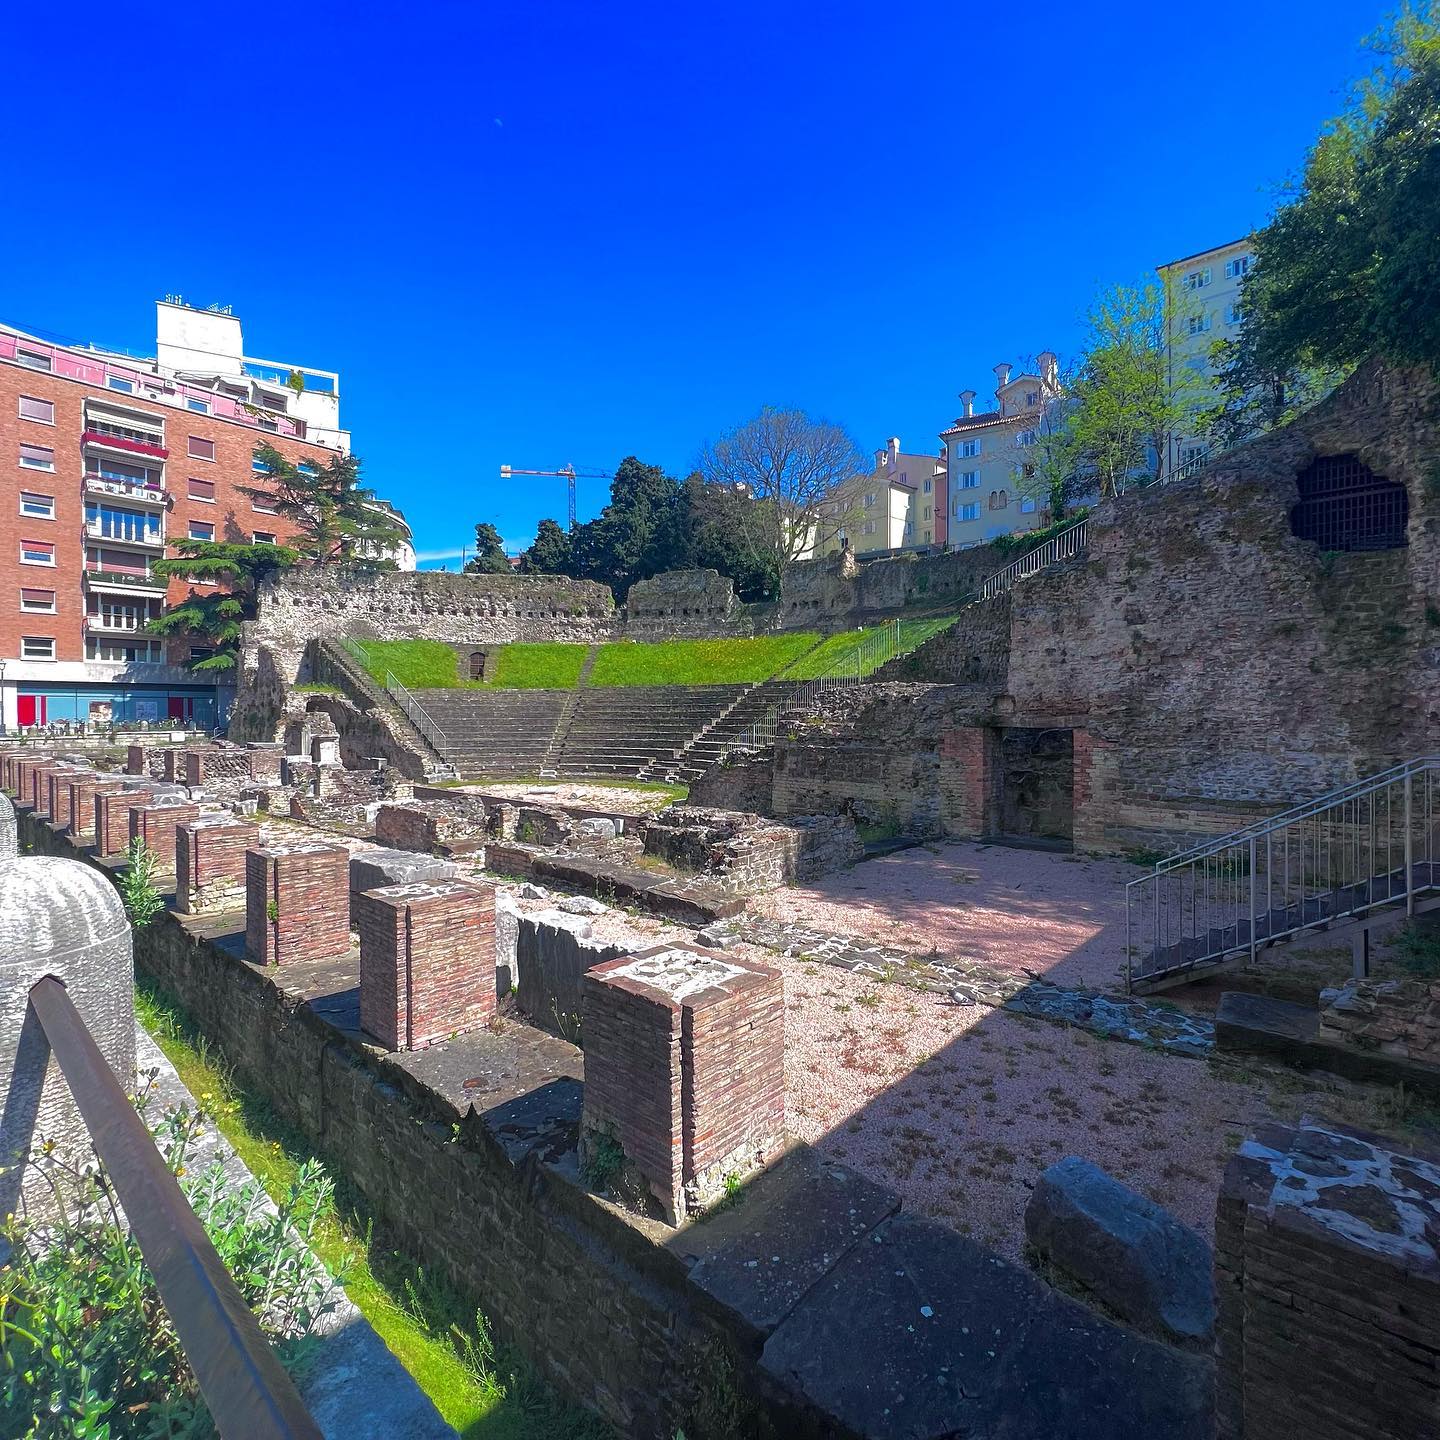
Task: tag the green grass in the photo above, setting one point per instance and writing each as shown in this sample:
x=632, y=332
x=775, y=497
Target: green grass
x=841, y=654
x=538, y=667
x=698, y=662
x=416, y=664
x=442, y=1342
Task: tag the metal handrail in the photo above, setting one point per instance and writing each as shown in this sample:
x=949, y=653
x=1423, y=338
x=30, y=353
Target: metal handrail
x=1064, y=545
x=419, y=718
x=249, y=1394
x=1371, y=844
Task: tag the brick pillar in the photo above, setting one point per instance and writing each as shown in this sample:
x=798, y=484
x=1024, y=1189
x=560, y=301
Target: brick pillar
x=1327, y=1288
x=154, y=819
x=37, y=793
x=58, y=793
x=1095, y=789
x=83, y=786
x=965, y=754
x=684, y=1068
x=112, y=818
x=210, y=863
x=427, y=960
x=265, y=761
x=135, y=760
x=297, y=903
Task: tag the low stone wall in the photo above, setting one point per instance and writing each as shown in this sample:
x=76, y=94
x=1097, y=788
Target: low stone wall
x=430, y=825
x=744, y=780
x=745, y=854
x=1399, y=1018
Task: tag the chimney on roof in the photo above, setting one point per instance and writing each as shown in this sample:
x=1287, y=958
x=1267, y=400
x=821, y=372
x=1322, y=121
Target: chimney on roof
x=967, y=400
x=894, y=446
x=1002, y=377
x=1049, y=368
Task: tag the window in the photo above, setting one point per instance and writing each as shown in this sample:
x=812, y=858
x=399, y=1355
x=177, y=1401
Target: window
x=1344, y=505
x=269, y=401
x=1032, y=397
x=37, y=506
x=1198, y=279
x=201, y=449
x=42, y=411
x=1029, y=437
x=925, y=485
x=200, y=407
x=200, y=530
x=999, y=500
x=969, y=448
x=926, y=515
x=201, y=652
x=108, y=647
x=1199, y=324
x=203, y=490
x=37, y=457
x=1234, y=314
x=259, y=466
x=37, y=647
x=263, y=537
x=868, y=528
x=1237, y=268
x=1027, y=505
x=969, y=479
x=38, y=602
x=966, y=512
x=112, y=523
x=869, y=500
x=265, y=504
x=34, y=360
x=37, y=552
x=118, y=382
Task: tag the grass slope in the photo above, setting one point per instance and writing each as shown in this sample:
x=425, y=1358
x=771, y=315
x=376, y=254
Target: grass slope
x=439, y=1340
x=845, y=654
x=698, y=662
x=416, y=664
x=553, y=666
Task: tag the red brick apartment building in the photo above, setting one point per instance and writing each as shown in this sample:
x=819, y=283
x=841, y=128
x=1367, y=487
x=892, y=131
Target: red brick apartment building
x=105, y=461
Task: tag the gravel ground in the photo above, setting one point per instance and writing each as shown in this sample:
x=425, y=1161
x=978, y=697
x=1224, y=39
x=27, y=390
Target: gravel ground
x=1060, y=916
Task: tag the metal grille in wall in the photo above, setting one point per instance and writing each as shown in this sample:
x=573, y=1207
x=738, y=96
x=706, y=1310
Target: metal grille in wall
x=1344, y=505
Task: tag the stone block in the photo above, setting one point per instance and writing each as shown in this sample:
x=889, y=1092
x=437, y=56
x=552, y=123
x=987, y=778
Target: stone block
x=553, y=951
x=210, y=863
x=684, y=1069
x=297, y=903
x=153, y=822
x=1128, y=1252
x=427, y=960
x=61, y=918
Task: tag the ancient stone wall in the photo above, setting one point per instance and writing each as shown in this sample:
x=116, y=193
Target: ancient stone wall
x=746, y=855
x=1390, y=1017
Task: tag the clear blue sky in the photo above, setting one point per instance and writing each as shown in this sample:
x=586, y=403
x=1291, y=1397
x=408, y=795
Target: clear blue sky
x=550, y=232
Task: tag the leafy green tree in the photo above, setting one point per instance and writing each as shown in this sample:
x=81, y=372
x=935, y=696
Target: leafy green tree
x=336, y=519
x=489, y=557
x=1349, y=265
x=215, y=617
x=1126, y=398
x=550, y=554
x=720, y=534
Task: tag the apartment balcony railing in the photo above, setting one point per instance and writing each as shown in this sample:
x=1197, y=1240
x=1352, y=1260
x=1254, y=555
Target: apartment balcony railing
x=143, y=385
x=138, y=535
x=126, y=490
x=120, y=579
x=116, y=622
x=124, y=437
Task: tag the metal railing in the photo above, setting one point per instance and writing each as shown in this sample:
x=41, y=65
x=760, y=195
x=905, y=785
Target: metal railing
x=126, y=489
x=1371, y=844
x=249, y=1395
x=1065, y=545
x=129, y=582
x=414, y=711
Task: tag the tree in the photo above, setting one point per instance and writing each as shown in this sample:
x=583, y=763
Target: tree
x=1347, y=266
x=719, y=539
x=216, y=617
x=336, y=519
x=550, y=554
x=489, y=557
x=1126, y=398
x=793, y=468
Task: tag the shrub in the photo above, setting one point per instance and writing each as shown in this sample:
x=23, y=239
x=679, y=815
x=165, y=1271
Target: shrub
x=87, y=1351
x=138, y=891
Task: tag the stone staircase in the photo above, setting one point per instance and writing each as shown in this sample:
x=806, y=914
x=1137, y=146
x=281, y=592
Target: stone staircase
x=548, y=765
x=497, y=732
x=630, y=730
x=725, y=731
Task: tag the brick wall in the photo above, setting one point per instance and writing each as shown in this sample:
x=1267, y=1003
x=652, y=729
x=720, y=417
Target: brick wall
x=1327, y=1279
x=210, y=863
x=154, y=822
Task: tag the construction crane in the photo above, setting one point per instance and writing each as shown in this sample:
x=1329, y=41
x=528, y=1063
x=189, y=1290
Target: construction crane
x=569, y=472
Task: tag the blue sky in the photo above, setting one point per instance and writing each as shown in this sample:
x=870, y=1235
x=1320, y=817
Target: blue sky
x=541, y=233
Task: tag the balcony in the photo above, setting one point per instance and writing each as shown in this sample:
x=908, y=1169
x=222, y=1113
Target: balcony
x=118, y=580
x=136, y=537
x=126, y=490
x=123, y=437
x=117, y=622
